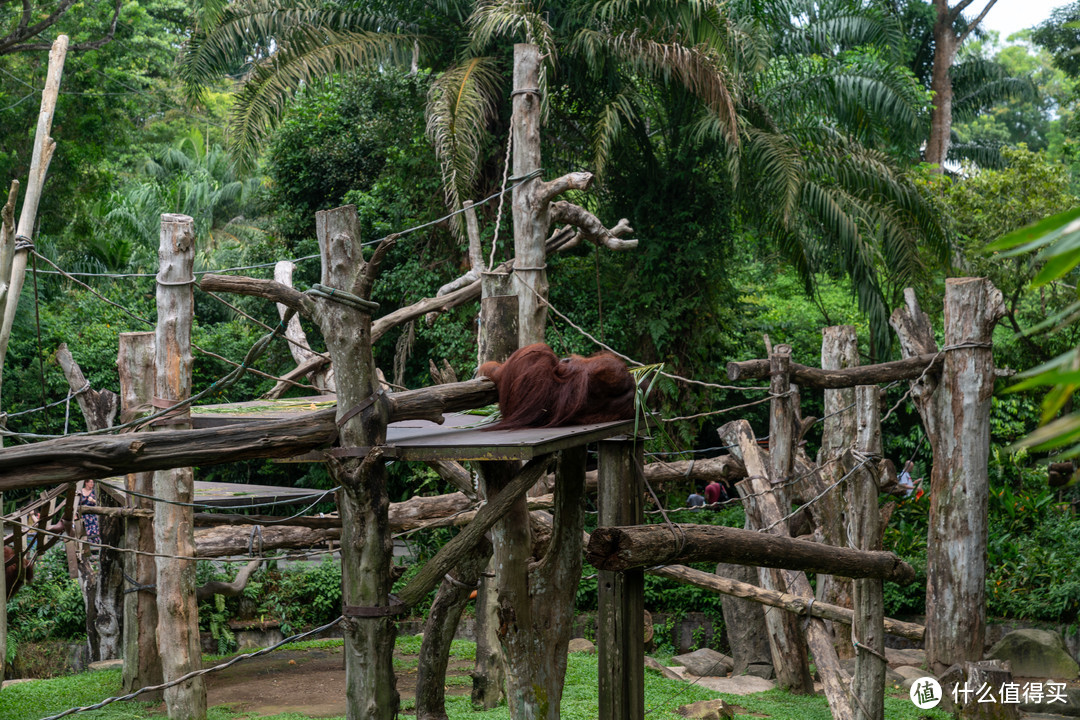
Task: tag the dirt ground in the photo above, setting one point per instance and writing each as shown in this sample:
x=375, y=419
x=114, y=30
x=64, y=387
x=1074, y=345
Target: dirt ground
x=311, y=682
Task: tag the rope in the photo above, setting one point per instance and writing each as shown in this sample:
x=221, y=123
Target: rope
x=174, y=283
x=502, y=196
x=196, y=673
x=52, y=404
x=344, y=298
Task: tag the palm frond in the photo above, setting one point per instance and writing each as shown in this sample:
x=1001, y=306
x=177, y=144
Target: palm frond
x=699, y=68
x=248, y=31
x=624, y=107
x=308, y=54
x=461, y=104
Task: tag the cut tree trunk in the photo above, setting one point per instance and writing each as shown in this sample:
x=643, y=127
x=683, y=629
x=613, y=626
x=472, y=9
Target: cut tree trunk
x=864, y=533
x=956, y=415
x=178, y=619
x=366, y=548
x=758, y=596
x=818, y=638
x=103, y=587
x=497, y=339
x=636, y=546
x=531, y=215
x=839, y=350
x=142, y=661
x=439, y=631
x=620, y=616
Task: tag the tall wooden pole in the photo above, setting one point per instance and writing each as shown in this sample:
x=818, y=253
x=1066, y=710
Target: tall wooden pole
x=11, y=277
x=818, y=638
x=40, y=158
x=366, y=547
x=839, y=349
x=498, y=338
x=956, y=414
x=621, y=609
x=864, y=533
x=531, y=218
x=785, y=635
x=178, y=619
x=142, y=661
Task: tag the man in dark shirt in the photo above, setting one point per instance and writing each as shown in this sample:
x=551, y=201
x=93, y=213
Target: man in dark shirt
x=714, y=493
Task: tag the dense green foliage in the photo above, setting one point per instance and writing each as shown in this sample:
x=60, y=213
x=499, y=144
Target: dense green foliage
x=766, y=155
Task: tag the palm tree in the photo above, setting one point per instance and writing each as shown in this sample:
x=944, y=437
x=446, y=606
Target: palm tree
x=804, y=102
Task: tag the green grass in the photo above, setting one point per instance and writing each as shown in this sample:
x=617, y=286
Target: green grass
x=39, y=699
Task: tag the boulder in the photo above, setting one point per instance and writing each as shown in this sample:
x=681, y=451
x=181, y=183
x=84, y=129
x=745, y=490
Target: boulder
x=707, y=710
x=737, y=685
x=705, y=662
x=892, y=678
x=912, y=657
x=910, y=675
x=744, y=623
x=580, y=645
x=654, y=664
x=1036, y=654
x=765, y=671
x=105, y=665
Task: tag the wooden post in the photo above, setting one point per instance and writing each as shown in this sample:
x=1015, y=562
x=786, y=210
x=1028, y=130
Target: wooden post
x=789, y=653
x=40, y=158
x=839, y=350
x=864, y=531
x=497, y=339
x=772, y=515
x=178, y=620
x=621, y=612
x=366, y=547
x=956, y=415
x=102, y=586
x=531, y=218
x=142, y=661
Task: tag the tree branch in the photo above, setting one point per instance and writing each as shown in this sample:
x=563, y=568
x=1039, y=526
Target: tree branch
x=570, y=181
x=218, y=587
x=268, y=289
x=974, y=23
x=591, y=228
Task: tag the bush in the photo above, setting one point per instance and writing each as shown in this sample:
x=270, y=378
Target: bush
x=49, y=608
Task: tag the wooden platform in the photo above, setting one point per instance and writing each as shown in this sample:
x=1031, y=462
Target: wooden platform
x=462, y=436
x=226, y=494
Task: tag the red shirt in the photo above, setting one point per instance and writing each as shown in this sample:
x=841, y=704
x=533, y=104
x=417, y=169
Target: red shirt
x=713, y=491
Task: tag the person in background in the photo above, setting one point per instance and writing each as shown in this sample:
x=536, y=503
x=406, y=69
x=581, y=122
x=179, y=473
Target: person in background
x=695, y=501
x=85, y=498
x=714, y=493
x=904, y=479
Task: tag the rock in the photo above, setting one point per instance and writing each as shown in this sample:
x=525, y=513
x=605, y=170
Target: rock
x=744, y=622
x=912, y=657
x=648, y=627
x=737, y=685
x=581, y=645
x=1035, y=654
x=910, y=675
x=707, y=710
x=654, y=664
x=978, y=691
x=705, y=662
x=892, y=678
x=765, y=671
x=105, y=665
x=1070, y=708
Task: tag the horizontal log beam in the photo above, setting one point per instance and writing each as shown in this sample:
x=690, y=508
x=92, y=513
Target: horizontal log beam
x=624, y=548
x=798, y=605
x=102, y=456
x=811, y=377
